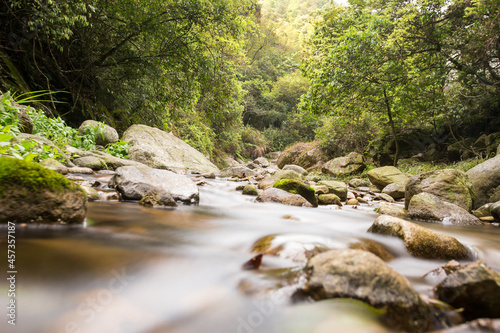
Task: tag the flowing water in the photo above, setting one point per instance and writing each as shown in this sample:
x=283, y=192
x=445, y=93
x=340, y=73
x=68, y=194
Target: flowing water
x=137, y=269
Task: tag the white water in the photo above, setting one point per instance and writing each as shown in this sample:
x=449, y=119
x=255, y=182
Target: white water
x=136, y=269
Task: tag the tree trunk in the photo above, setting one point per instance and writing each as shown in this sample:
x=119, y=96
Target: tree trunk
x=393, y=129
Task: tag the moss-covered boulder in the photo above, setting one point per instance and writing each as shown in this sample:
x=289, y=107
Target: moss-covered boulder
x=428, y=207
x=298, y=187
x=475, y=288
x=92, y=194
x=31, y=193
x=358, y=182
x=485, y=178
x=344, y=166
x=483, y=211
x=383, y=176
x=250, y=190
x=421, y=242
x=448, y=184
x=329, y=199
x=283, y=197
x=280, y=175
x=362, y=275
x=335, y=187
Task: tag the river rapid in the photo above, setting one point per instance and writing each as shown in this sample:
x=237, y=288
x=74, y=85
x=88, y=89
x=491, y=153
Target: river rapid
x=137, y=269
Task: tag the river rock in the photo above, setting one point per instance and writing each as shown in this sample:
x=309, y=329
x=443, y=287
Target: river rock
x=92, y=194
x=482, y=325
x=495, y=210
x=475, y=288
x=134, y=182
x=428, y=207
x=320, y=189
x=306, y=155
x=395, y=190
x=240, y=171
x=52, y=164
x=483, y=211
x=91, y=162
x=162, y=150
x=31, y=193
x=374, y=247
x=104, y=134
x=281, y=196
x=329, y=199
x=449, y=185
x=391, y=209
x=384, y=197
x=352, y=202
x=250, y=190
x=296, y=168
x=383, y=176
x=158, y=197
x=362, y=275
x=335, y=187
x=262, y=162
x=106, y=161
x=358, y=182
x=485, y=178
x=280, y=175
x=298, y=187
x=344, y=166
x=421, y=242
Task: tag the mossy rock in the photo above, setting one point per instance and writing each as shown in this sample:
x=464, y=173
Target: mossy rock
x=250, y=190
x=298, y=187
x=29, y=192
x=280, y=175
x=335, y=187
x=329, y=199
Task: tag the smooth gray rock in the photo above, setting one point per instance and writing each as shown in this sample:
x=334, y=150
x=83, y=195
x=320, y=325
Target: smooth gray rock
x=485, y=178
x=107, y=161
x=162, y=150
x=428, y=207
x=395, y=190
x=281, y=196
x=241, y=171
x=421, y=242
x=449, y=185
x=364, y=276
x=296, y=168
x=134, y=182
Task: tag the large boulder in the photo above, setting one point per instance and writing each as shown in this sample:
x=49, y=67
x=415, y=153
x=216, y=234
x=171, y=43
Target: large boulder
x=296, y=168
x=421, y=242
x=386, y=175
x=335, y=187
x=307, y=155
x=298, y=187
x=281, y=196
x=362, y=275
x=104, y=134
x=395, y=190
x=449, y=185
x=31, y=193
x=428, y=207
x=134, y=182
x=485, y=178
x=475, y=288
x=280, y=175
x=344, y=166
x=161, y=150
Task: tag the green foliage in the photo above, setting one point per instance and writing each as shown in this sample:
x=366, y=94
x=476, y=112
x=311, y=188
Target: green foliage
x=415, y=168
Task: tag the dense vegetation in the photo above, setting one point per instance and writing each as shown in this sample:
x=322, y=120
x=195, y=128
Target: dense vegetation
x=246, y=77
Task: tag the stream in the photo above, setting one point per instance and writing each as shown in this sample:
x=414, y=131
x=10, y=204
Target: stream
x=137, y=269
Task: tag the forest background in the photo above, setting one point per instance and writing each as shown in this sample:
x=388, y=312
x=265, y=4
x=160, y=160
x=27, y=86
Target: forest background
x=246, y=77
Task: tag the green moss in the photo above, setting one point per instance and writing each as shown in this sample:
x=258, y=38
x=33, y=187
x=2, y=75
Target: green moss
x=298, y=187
x=30, y=176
